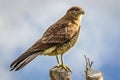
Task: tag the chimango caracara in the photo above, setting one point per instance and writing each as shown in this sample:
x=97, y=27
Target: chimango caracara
x=57, y=40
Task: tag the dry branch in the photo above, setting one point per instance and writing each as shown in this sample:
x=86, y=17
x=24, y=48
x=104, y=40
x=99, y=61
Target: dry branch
x=92, y=74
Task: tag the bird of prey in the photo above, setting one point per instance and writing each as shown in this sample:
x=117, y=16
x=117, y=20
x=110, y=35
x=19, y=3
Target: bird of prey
x=57, y=39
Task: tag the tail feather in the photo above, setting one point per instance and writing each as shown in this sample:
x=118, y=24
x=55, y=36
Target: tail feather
x=21, y=61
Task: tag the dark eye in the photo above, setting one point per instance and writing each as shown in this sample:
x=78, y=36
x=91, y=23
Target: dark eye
x=74, y=9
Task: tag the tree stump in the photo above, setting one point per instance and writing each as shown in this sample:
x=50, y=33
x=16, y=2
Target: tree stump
x=59, y=73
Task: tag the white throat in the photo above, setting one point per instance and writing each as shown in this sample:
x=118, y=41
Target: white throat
x=80, y=18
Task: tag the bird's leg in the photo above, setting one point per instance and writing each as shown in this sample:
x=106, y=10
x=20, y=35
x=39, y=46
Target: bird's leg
x=64, y=66
x=62, y=61
x=57, y=60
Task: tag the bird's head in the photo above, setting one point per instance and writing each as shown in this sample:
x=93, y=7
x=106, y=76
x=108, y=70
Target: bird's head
x=75, y=12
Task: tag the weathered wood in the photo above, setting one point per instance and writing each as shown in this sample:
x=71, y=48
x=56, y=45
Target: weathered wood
x=94, y=75
x=59, y=73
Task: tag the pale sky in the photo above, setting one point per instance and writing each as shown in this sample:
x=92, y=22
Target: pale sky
x=22, y=22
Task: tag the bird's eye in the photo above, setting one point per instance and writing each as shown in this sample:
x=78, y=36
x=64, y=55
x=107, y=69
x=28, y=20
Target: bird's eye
x=74, y=9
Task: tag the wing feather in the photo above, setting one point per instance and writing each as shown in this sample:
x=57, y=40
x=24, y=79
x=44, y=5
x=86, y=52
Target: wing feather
x=55, y=35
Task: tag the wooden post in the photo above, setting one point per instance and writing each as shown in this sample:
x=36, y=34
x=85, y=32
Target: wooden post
x=92, y=74
x=59, y=73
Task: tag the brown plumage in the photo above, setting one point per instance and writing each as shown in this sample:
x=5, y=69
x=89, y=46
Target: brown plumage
x=58, y=39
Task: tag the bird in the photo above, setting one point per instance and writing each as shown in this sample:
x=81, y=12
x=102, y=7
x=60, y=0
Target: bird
x=56, y=41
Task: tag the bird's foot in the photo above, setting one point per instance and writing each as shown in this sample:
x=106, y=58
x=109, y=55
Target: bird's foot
x=66, y=68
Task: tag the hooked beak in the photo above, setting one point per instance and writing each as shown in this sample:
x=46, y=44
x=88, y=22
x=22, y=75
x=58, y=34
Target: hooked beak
x=82, y=12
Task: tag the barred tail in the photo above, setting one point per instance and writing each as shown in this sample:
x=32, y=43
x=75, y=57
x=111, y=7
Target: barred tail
x=21, y=61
